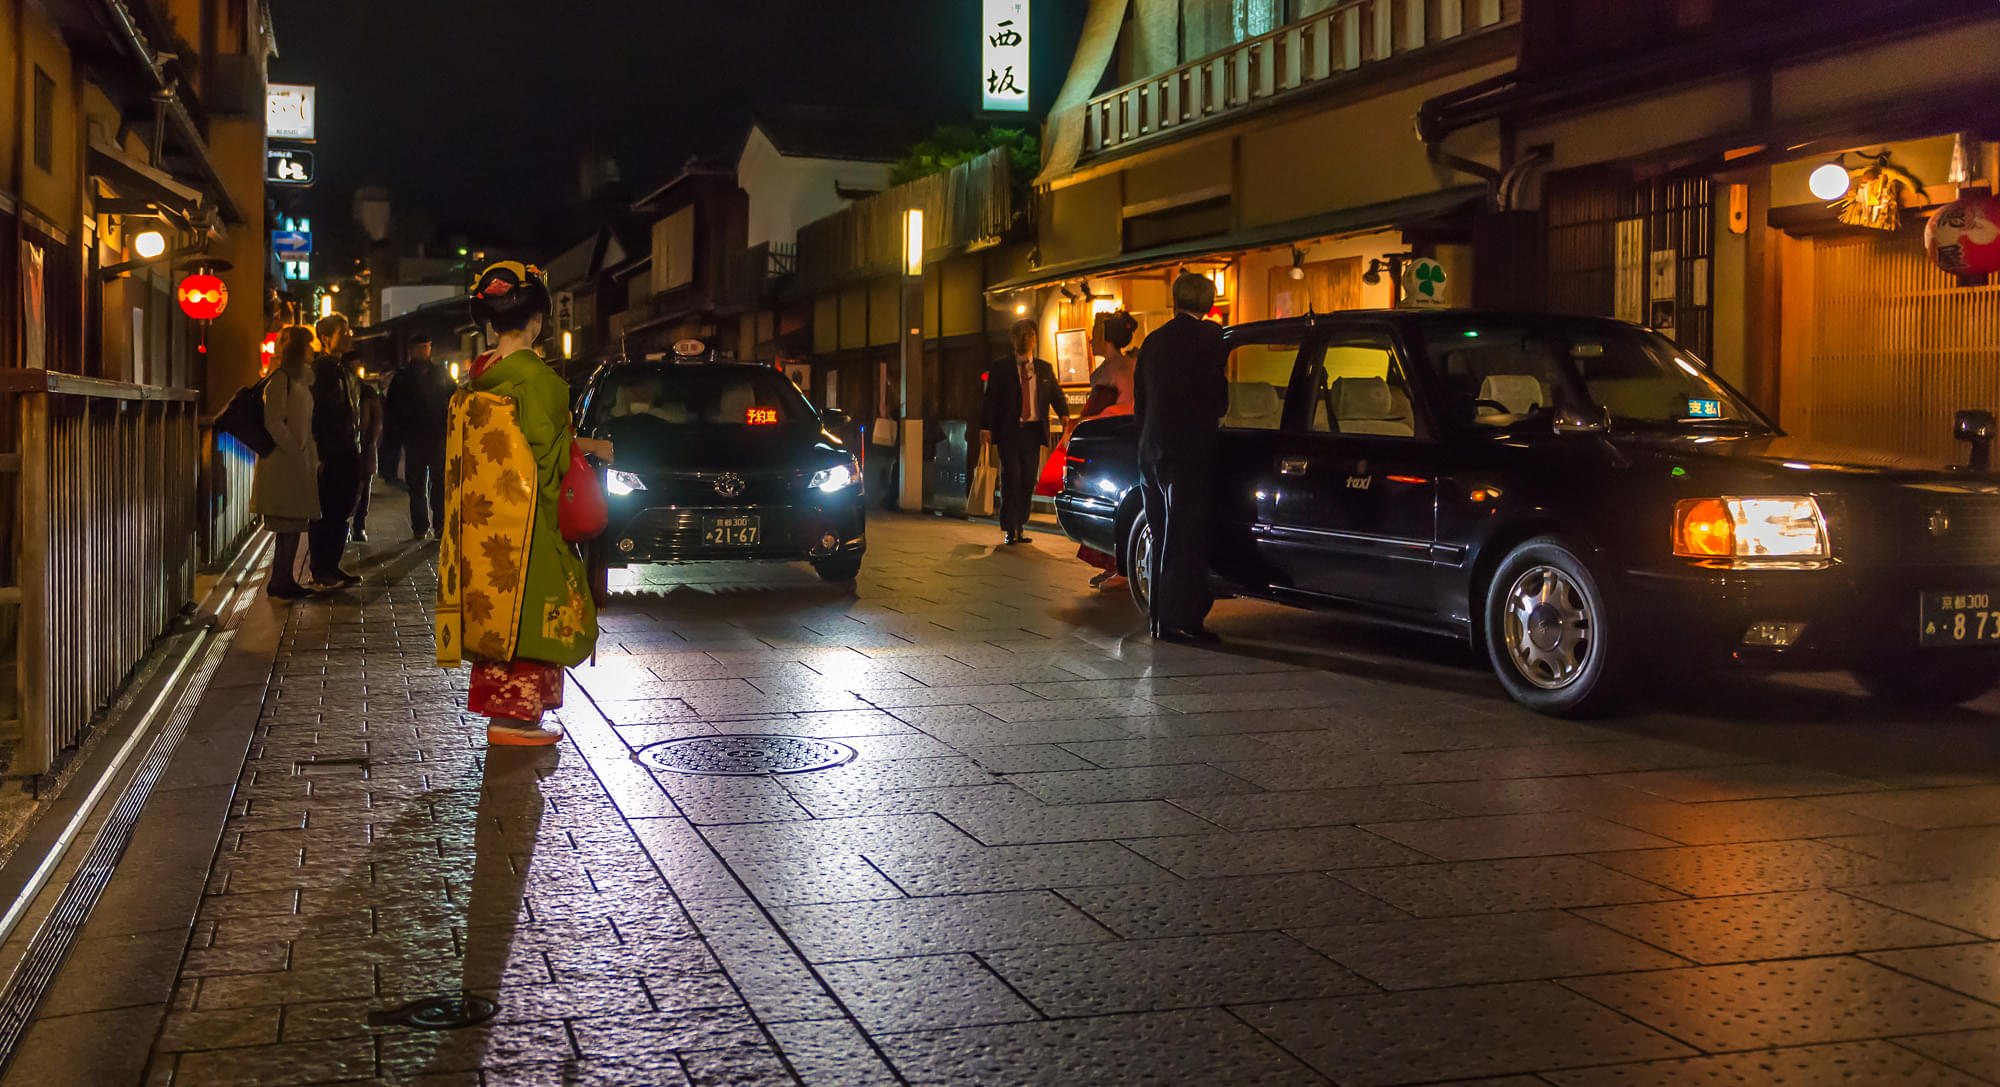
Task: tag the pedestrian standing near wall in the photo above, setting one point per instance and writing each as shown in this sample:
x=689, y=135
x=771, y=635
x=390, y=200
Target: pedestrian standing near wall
x=336, y=431
x=369, y=427
x=419, y=401
x=1021, y=393
x=285, y=489
x=513, y=595
x=1180, y=393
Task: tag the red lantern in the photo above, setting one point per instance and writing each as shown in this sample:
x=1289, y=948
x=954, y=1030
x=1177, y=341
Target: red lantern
x=1963, y=237
x=203, y=297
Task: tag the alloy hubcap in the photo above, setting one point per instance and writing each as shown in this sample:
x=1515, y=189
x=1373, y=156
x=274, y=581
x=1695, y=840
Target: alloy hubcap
x=1141, y=562
x=1549, y=627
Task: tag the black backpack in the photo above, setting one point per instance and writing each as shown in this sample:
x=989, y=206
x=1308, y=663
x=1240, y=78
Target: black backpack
x=243, y=419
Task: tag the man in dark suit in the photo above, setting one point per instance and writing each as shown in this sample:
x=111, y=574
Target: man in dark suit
x=1180, y=393
x=336, y=432
x=1021, y=392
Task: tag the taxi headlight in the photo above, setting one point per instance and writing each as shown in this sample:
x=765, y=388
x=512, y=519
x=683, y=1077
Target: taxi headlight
x=622, y=483
x=838, y=477
x=1782, y=527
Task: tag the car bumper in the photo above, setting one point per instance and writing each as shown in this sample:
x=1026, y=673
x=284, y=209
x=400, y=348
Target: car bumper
x=1092, y=522
x=1843, y=615
x=788, y=533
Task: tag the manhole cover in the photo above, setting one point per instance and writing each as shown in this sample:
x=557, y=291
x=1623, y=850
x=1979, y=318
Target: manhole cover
x=751, y=754
x=437, y=1013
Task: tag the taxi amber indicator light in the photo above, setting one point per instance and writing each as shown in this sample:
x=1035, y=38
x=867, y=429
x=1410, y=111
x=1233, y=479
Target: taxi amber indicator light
x=1703, y=529
x=761, y=416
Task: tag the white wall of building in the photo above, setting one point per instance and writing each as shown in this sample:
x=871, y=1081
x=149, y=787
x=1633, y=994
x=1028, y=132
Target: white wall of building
x=397, y=301
x=786, y=193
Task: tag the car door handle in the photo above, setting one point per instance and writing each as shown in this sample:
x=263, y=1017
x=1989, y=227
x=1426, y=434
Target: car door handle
x=1293, y=466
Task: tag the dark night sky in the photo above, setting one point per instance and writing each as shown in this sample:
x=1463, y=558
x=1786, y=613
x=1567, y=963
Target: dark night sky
x=479, y=112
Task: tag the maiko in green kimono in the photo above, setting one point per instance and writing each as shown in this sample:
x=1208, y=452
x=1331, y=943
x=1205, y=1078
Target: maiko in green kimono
x=513, y=596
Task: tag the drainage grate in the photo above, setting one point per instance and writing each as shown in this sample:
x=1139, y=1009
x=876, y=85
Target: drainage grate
x=437, y=1013
x=741, y=755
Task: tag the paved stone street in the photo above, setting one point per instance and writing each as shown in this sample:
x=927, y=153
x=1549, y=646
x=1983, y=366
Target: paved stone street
x=1065, y=855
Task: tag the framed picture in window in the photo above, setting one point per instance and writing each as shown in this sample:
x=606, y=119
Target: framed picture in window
x=1073, y=361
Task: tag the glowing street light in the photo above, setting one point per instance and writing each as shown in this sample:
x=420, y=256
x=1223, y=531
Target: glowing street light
x=149, y=244
x=913, y=242
x=567, y=341
x=1828, y=181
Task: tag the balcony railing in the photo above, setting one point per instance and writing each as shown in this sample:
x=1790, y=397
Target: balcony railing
x=1343, y=39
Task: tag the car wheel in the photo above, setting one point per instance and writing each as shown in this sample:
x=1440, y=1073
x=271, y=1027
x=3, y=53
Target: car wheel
x=1139, y=562
x=1929, y=683
x=841, y=569
x=1550, y=634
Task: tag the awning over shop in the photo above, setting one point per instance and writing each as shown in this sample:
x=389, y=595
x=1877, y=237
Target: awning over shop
x=139, y=181
x=1409, y=212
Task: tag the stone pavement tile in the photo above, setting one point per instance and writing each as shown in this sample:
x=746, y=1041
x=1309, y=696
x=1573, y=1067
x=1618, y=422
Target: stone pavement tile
x=411, y=980
x=1187, y=1047
x=73, y=1049
x=1975, y=1051
x=1233, y=904
x=1923, y=809
x=1257, y=852
x=1132, y=783
x=185, y=1030
x=897, y=774
x=105, y=972
x=685, y=860
x=908, y=745
x=974, y=694
x=282, y=1065
x=1014, y=868
x=689, y=1028
x=1789, y=924
x=1723, y=822
x=1342, y=771
x=1018, y=824
x=1972, y=969
x=285, y=987
x=1516, y=796
x=915, y=832
x=713, y=810
x=1969, y=904
x=993, y=732
x=1750, y=782
x=1180, y=972
x=739, y=1067
x=948, y=802
x=833, y=1053
x=1162, y=750
x=925, y=992
x=466, y=1049
x=761, y=963
x=929, y=926
x=1506, y=886
x=1955, y=852
x=658, y=1071
x=1026, y=758
x=1393, y=1038
x=1277, y=698
x=1492, y=837
x=637, y=736
x=1850, y=1062
x=1308, y=808
x=638, y=713
x=1481, y=948
x=1072, y=709
x=808, y=878
x=1793, y=1002
x=1751, y=868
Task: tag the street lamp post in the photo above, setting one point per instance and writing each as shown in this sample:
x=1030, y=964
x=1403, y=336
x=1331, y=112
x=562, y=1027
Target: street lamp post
x=911, y=309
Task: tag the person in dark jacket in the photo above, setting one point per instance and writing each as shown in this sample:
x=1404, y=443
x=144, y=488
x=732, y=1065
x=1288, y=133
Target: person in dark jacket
x=1021, y=393
x=336, y=432
x=418, y=405
x=1180, y=394
x=368, y=424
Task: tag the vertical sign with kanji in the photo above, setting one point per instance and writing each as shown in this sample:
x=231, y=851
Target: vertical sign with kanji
x=1004, y=46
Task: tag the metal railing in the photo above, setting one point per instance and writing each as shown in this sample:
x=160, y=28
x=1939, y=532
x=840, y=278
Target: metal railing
x=104, y=510
x=1342, y=39
x=228, y=468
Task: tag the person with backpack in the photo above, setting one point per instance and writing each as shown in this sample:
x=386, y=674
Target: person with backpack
x=513, y=594
x=285, y=489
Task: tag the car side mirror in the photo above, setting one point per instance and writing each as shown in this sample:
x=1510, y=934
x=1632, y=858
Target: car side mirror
x=1590, y=420
x=1976, y=428
x=835, y=419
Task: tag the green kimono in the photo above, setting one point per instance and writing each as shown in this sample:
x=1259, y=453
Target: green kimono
x=511, y=588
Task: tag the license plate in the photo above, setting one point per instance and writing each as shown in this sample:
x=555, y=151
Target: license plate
x=740, y=531
x=1959, y=619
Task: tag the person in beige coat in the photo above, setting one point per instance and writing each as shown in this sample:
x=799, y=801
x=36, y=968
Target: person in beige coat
x=285, y=490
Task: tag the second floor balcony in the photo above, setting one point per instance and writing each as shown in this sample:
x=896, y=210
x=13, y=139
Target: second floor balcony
x=1342, y=41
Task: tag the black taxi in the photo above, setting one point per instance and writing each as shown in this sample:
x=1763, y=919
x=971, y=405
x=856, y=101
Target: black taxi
x=1581, y=499
x=722, y=460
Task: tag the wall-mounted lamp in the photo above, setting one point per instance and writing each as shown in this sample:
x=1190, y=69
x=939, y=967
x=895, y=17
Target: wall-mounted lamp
x=149, y=244
x=1298, y=263
x=1829, y=180
x=1020, y=309
x=1070, y=293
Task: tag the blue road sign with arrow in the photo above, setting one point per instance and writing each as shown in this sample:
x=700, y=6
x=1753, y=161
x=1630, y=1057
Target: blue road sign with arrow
x=291, y=244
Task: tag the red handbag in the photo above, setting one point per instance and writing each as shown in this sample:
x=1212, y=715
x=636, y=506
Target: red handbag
x=581, y=512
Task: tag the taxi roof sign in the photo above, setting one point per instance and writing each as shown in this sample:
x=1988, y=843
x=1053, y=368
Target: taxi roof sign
x=689, y=347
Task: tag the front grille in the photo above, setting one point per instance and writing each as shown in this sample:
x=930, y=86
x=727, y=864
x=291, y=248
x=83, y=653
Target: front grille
x=698, y=487
x=1914, y=526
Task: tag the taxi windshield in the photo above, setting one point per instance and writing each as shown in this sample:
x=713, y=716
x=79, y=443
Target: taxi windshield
x=697, y=396
x=1504, y=374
